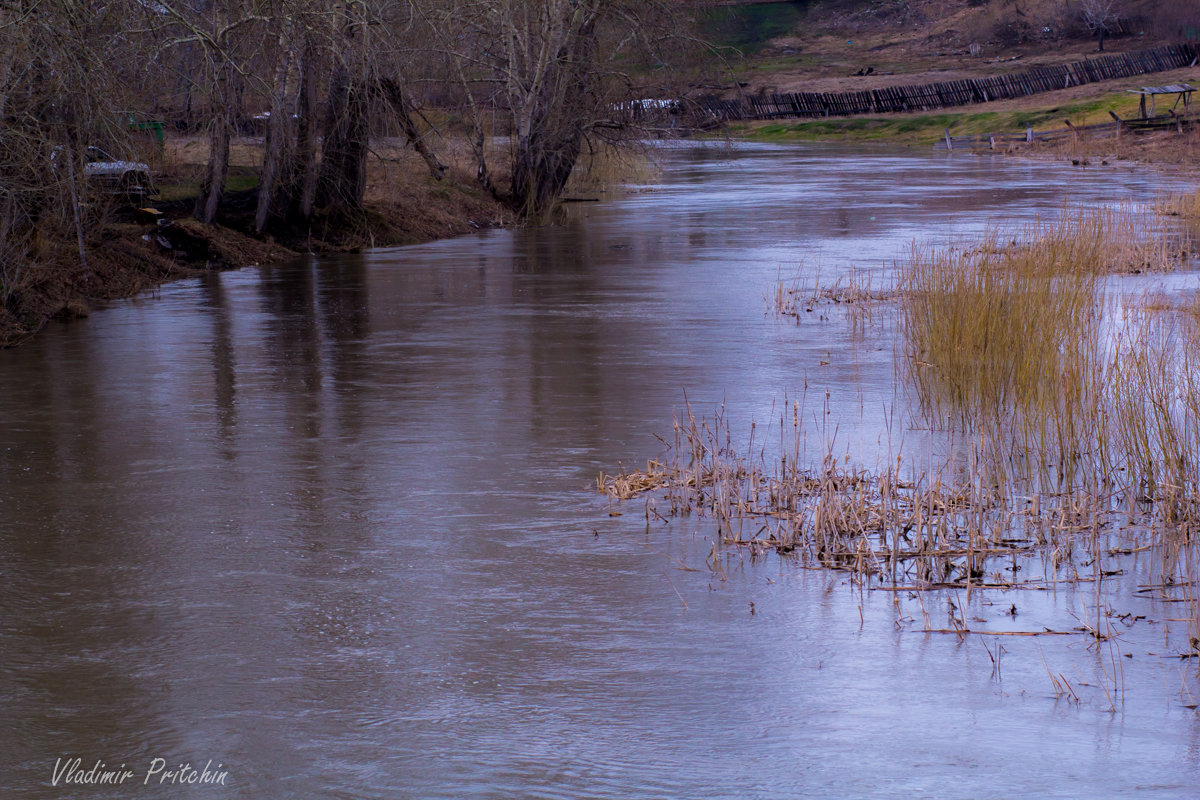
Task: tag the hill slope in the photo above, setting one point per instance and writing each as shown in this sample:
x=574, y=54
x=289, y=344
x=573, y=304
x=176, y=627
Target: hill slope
x=821, y=45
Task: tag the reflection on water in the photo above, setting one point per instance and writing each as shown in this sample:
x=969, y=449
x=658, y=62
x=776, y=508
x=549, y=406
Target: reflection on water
x=330, y=524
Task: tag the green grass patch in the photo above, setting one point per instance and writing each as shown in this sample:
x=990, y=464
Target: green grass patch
x=927, y=128
x=239, y=179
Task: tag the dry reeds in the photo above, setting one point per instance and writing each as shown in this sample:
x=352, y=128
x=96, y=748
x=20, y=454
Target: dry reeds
x=1185, y=205
x=1008, y=340
x=940, y=528
x=988, y=332
x=792, y=299
x=1074, y=425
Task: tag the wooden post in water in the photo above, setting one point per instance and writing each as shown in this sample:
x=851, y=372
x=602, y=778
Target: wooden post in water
x=949, y=143
x=1028, y=133
x=1117, y=120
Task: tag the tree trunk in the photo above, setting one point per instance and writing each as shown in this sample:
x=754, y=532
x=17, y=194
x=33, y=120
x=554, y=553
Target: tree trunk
x=219, y=133
x=395, y=97
x=307, y=168
x=549, y=143
x=209, y=199
x=344, y=156
x=76, y=212
x=541, y=171
x=280, y=138
x=482, y=174
x=6, y=63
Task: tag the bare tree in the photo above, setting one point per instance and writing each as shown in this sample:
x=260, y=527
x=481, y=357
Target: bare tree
x=59, y=94
x=279, y=144
x=316, y=150
x=556, y=71
x=1100, y=17
x=222, y=30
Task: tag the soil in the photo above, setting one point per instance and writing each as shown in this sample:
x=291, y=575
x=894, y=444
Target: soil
x=143, y=244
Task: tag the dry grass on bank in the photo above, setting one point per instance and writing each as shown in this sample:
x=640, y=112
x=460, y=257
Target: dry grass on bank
x=1179, y=151
x=405, y=203
x=1185, y=206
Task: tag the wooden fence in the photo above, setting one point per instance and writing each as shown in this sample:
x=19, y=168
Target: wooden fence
x=951, y=93
x=1001, y=141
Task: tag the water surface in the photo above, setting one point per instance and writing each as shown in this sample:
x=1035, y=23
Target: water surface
x=332, y=526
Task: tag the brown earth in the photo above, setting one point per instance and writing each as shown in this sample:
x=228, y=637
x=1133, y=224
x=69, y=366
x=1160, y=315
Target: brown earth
x=142, y=245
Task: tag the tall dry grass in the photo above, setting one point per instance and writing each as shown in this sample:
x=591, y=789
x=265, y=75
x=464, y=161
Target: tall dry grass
x=1153, y=404
x=1008, y=340
x=1074, y=421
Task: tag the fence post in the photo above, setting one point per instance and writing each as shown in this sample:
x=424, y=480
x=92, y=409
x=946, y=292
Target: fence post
x=949, y=143
x=1029, y=133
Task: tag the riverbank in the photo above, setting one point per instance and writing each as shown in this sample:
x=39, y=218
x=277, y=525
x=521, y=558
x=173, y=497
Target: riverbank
x=1053, y=111
x=141, y=244
x=1079, y=105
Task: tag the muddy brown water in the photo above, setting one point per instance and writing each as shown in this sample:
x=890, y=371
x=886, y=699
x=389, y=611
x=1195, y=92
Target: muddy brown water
x=331, y=526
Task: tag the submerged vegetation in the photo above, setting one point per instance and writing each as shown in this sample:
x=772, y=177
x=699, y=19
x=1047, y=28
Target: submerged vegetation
x=1063, y=426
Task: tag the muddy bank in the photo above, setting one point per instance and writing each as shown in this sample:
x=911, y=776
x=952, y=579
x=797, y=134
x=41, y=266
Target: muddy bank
x=142, y=247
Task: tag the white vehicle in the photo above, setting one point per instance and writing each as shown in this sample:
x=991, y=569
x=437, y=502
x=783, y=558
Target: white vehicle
x=127, y=176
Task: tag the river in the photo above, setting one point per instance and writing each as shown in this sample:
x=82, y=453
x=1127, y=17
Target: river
x=332, y=526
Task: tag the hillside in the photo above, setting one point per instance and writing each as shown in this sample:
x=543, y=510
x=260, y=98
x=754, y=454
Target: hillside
x=821, y=46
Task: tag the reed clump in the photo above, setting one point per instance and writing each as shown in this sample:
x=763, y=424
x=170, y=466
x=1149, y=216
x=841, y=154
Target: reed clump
x=604, y=166
x=1185, y=205
x=941, y=527
x=1071, y=425
x=989, y=332
x=1153, y=404
x=1010, y=339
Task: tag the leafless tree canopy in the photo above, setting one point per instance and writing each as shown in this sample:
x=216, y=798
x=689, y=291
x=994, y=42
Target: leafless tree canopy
x=552, y=75
x=549, y=78
x=1100, y=16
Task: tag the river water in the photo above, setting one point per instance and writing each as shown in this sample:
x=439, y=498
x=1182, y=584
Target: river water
x=332, y=525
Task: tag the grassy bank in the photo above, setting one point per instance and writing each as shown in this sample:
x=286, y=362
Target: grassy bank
x=926, y=129
x=1040, y=112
